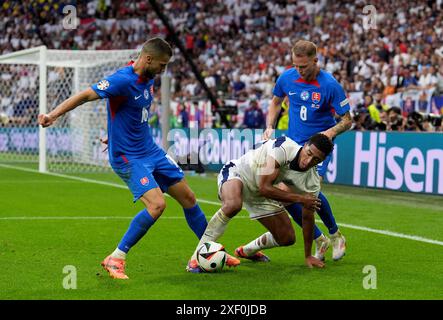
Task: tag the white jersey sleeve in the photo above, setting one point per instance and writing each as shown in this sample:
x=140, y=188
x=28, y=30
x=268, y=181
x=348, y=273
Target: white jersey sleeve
x=283, y=150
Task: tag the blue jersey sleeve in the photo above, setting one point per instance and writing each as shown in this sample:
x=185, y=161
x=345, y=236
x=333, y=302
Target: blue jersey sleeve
x=278, y=88
x=111, y=86
x=338, y=99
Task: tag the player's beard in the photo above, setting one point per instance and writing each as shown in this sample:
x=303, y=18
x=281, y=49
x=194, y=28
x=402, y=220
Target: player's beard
x=149, y=74
x=312, y=75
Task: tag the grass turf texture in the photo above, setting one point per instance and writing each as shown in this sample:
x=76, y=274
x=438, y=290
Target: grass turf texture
x=34, y=252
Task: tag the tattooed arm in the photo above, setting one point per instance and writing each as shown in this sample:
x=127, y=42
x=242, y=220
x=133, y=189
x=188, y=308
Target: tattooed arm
x=344, y=125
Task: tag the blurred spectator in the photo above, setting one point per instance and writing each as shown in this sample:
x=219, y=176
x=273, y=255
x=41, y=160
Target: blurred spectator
x=428, y=78
x=199, y=115
x=395, y=119
x=377, y=110
x=283, y=119
x=25, y=111
x=414, y=122
x=238, y=86
x=360, y=120
x=183, y=117
x=223, y=86
x=439, y=83
x=254, y=117
x=390, y=82
x=240, y=47
x=409, y=79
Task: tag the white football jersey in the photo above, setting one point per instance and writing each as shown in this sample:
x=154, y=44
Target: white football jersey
x=284, y=150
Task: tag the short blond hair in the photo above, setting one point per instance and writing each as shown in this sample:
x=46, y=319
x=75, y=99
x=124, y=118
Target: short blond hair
x=304, y=48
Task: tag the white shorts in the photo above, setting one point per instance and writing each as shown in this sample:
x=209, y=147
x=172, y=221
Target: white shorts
x=257, y=205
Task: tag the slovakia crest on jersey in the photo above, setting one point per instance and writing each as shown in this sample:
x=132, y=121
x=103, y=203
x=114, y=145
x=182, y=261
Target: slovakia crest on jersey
x=304, y=95
x=316, y=97
x=144, y=181
x=103, y=85
x=146, y=94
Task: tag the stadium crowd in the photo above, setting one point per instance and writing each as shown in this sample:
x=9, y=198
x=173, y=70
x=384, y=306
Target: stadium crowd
x=241, y=46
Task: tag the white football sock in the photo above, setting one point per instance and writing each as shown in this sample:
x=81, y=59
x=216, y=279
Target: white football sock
x=118, y=254
x=215, y=229
x=265, y=241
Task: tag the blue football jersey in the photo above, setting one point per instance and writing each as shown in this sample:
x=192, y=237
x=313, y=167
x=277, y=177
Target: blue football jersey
x=311, y=104
x=129, y=99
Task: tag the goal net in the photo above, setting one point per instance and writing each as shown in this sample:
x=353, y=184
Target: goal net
x=35, y=81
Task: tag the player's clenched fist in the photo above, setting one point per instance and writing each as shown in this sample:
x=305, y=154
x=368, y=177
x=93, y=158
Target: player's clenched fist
x=311, y=202
x=45, y=120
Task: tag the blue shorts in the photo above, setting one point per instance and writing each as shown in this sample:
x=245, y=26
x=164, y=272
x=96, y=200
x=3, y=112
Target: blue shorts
x=323, y=166
x=144, y=174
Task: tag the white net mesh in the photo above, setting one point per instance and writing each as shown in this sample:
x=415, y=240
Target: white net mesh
x=72, y=144
x=18, y=113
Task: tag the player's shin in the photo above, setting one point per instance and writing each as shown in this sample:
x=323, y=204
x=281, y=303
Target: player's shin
x=196, y=220
x=214, y=230
x=137, y=229
x=295, y=210
x=265, y=241
x=326, y=215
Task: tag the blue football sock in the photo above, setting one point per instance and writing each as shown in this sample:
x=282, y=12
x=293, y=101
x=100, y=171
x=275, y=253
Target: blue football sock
x=196, y=220
x=137, y=229
x=326, y=215
x=295, y=210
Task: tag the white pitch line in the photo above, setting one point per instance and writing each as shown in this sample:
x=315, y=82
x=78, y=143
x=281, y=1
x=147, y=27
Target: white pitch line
x=110, y=184
x=104, y=183
x=350, y=226
x=390, y=233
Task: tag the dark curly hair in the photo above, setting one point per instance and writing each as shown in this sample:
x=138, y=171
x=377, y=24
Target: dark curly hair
x=322, y=142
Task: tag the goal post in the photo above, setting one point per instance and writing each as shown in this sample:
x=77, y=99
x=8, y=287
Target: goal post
x=42, y=164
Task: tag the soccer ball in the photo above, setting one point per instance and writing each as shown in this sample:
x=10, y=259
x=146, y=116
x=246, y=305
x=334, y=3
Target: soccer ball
x=211, y=256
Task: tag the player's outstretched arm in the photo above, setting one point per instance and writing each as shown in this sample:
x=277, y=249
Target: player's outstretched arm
x=45, y=120
x=271, y=119
x=308, y=235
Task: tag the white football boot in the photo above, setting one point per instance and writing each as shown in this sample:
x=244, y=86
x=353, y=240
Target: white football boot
x=322, y=244
x=338, y=246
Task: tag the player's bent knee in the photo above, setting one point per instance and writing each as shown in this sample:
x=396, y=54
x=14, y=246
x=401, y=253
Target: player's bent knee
x=285, y=239
x=231, y=208
x=156, y=208
x=291, y=240
x=285, y=242
x=189, y=199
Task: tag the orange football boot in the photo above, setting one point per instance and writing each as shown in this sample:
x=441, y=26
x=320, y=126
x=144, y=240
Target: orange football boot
x=115, y=267
x=259, y=256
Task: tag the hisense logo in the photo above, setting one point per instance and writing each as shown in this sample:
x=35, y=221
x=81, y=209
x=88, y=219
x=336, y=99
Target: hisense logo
x=394, y=167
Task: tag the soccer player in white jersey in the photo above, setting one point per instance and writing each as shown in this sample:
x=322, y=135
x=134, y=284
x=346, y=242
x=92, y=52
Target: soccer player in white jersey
x=315, y=100
x=252, y=180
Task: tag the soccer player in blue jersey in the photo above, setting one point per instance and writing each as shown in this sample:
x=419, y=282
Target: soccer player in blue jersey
x=314, y=98
x=141, y=164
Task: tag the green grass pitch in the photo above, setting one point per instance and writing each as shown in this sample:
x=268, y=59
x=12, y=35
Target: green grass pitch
x=89, y=219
